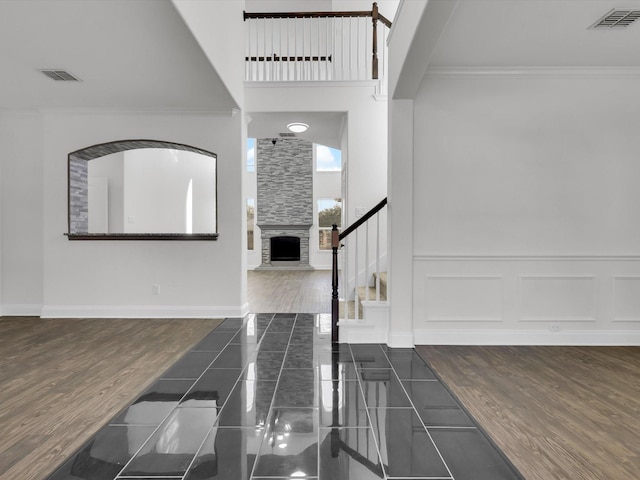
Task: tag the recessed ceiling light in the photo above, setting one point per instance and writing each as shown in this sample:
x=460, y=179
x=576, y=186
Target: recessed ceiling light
x=298, y=127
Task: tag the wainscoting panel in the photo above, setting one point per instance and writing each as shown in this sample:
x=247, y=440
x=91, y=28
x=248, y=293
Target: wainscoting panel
x=557, y=299
x=626, y=298
x=526, y=300
x=463, y=298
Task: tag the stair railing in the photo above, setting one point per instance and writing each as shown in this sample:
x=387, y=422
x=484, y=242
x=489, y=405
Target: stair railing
x=336, y=244
x=302, y=46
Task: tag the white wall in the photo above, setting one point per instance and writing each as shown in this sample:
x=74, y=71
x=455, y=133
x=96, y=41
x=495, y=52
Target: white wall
x=116, y=278
x=21, y=214
x=2, y=141
x=218, y=27
x=526, y=210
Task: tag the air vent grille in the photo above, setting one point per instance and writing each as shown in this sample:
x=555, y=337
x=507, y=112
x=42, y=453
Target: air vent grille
x=287, y=134
x=617, y=19
x=60, y=75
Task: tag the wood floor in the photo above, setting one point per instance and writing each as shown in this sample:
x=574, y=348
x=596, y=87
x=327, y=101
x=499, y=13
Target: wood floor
x=557, y=412
x=61, y=380
x=289, y=291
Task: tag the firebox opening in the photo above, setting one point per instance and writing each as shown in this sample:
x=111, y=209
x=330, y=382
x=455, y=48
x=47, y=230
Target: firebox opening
x=285, y=249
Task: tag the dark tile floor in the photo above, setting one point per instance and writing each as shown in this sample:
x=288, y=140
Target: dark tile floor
x=266, y=397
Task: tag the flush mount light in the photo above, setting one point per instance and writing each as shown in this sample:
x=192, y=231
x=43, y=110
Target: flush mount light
x=298, y=127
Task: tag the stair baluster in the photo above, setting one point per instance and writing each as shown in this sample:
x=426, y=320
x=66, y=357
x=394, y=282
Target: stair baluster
x=336, y=245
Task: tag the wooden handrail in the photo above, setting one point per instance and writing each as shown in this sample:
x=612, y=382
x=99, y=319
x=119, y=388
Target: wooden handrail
x=361, y=13
x=363, y=219
x=306, y=14
x=384, y=20
x=276, y=58
x=374, y=14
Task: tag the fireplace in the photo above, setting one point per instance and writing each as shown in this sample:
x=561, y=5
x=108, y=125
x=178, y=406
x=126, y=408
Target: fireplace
x=285, y=249
x=284, y=204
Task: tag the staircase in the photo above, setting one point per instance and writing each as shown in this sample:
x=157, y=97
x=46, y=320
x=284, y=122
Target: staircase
x=360, y=310
x=362, y=297
x=362, y=292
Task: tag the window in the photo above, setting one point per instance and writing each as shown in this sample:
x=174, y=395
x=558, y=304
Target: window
x=329, y=212
x=251, y=154
x=251, y=215
x=328, y=159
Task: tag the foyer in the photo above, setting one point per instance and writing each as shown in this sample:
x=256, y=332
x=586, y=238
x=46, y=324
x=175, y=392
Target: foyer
x=268, y=397
x=64, y=380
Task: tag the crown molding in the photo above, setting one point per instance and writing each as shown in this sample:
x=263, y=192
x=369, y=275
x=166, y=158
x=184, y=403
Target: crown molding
x=534, y=72
x=204, y=111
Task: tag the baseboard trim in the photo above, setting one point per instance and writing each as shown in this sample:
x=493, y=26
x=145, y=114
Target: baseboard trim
x=143, y=312
x=20, y=310
x=401, y=340
x=531, y=337
x=244, y=310
x=359, y=331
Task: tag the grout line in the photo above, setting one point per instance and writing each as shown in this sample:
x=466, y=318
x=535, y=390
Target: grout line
x=415, y=410
x=255, y=352
x=270, y=410
x=445, y=427
x=372, y=431
x=174, y=409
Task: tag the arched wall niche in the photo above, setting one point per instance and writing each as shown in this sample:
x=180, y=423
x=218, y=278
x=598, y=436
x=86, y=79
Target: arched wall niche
x=142, y=190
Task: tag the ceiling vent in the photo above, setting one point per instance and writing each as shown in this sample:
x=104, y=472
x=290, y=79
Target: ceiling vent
x=60, y=75
x=617, y=19
x=287, y=134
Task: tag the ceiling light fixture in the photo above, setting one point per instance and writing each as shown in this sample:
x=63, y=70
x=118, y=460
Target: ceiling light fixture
x=298, y=127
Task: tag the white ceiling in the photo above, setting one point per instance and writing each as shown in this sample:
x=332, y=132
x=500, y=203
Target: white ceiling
x=324, y=127
x=139, y=53
x=127, y=54
x=536, y=33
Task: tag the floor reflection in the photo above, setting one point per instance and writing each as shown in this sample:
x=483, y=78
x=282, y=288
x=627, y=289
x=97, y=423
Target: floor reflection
x=269, y=396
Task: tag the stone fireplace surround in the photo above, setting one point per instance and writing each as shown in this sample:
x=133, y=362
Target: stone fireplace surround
x=284, y=205
x=300, y=231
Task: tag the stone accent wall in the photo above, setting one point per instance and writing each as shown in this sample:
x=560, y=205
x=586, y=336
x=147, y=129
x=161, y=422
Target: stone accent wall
x=285, y=182
x=78, y=196
x=285, y=193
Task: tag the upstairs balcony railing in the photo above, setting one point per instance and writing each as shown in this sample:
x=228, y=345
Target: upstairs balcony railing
x=316, y=46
